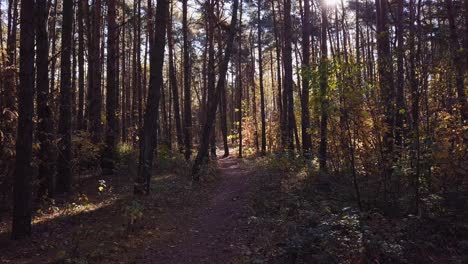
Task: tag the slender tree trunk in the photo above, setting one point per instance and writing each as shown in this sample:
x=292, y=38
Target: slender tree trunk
x=53, y=58
x=457, y=62
x=239, y=80
x=260, y=69
x=400, y=96
x=322, y=154
x=124, y=75
x=138, y=63
x=387, y=95
x=81, y=74
x=22, y=186
x=187, y=90
x=278, y=47
x=415, y=94
x=223, y=117
x=111, y=87
x=288, y=75
x=64, y=173
x=148, y=135
x=94, y=72
x=173, y=83
x=305, y=114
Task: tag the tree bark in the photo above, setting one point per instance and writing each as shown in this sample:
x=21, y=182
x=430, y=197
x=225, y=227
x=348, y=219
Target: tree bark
x=457, y=62
x=64, y=173
x=387, y=95
x=323, y=68
x=305, y=114
x=187, y=90
x=45, y=125
x=22, y=186
x=288, y=76
x=81, y=73
x=94, y=73
x=173, y=83
x=262, y=92
x=148, y=135
x=112, y=89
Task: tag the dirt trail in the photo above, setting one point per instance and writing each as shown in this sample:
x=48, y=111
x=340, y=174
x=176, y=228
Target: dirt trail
x=219, y=228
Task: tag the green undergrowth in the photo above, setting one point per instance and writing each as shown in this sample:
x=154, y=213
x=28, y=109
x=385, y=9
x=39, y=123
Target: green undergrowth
x=297, y=222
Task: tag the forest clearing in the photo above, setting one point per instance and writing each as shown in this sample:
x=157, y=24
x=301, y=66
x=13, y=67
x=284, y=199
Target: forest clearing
x=233, y=131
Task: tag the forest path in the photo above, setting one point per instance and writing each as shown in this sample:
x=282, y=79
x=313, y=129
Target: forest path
x=218, y=229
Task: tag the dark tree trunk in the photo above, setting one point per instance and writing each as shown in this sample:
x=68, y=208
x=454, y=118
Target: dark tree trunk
x=457, y=62
x=187, y=89
x=211, y=111
x=148, y=135
x=322, y=153
x=173, y=84
x=288, y=76
x=53, y=60
x=211, y=74
x=400, y=96
x=111, y=87
x=81, y=73
x=223, y=117
x=22, y=187
x=280, y=103
x=262, y=92
x=387, y=95
x=94, y=73
x=45, y=125
x=64, y=173
x=239, y=81
x=305, y=114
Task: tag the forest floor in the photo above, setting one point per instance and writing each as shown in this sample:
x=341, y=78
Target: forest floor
x=254, y=210
x=179, y=222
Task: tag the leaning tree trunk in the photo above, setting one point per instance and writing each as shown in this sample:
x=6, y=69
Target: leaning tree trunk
x=211, y=111
x=148, y=134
